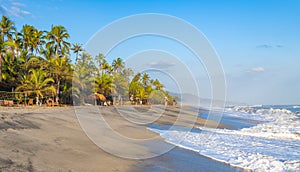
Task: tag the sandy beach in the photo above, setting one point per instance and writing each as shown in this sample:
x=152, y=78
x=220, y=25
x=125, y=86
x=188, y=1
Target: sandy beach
x=51, y=139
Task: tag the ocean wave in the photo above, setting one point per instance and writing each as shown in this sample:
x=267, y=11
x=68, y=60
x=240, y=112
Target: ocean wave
x=246, y=151
x=270, y=146
x=262, y=114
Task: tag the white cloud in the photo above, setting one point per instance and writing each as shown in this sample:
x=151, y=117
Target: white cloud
x=264, y=46
x=267, y=46
x=257, y=69
x=13, y=8
x=18, y=4
x=161, y=64
x=17, y=11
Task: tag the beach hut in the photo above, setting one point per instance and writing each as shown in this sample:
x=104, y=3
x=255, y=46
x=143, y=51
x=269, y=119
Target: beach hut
x=97, y=97
x=100, y=97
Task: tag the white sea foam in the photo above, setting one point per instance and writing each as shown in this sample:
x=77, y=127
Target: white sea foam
x=253, y=113
x=269, y=146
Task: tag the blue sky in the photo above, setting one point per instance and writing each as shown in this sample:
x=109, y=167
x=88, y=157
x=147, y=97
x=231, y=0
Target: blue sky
x=257, y=41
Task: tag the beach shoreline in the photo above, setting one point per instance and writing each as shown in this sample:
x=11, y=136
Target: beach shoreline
x=50, y=139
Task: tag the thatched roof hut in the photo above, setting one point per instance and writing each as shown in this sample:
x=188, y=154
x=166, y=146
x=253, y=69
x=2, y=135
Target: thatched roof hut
x=100, y=97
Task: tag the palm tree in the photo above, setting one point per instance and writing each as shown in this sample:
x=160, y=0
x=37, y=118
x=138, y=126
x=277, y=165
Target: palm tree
x=58, y=40
x=27, y=35
x=6, y=28
x=103, y=84
x=136, y=78
x=157, y=84
x=36, y=83
x=10, y=69
x=83, y=77
x=2, y=50
x=60, y=69
x=118, y=64
x=141, y=93
x=76, y=48
x=122, y=81
x=15, y=44
x=105, y=66
x=145, y=79
x=37, y=40
x=80, y=82
x=100, y=58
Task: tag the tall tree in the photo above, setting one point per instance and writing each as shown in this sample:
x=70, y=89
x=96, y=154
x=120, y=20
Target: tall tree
x=145, y=79
x=58, y=40
x=15, y=45
x=27, y=35
x=60, y=69
x=105, y=67
x=99, y=59
x=11, y=69
x=38, y=40
x=83, y=77
x=6, y=28
x=76, y=49
x=37, y=82
x=118, y=65
x=157, y=84
x=2, y=50
x=103, y=84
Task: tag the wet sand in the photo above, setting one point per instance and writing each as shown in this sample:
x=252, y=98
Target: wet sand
x=51, y=139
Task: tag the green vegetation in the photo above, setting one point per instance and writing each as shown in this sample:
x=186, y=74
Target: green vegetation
x=38, y=63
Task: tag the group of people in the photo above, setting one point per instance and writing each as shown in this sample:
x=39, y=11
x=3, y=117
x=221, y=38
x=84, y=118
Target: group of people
x=49, y=101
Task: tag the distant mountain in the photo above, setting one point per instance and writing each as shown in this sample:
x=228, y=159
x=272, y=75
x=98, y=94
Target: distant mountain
x=193, y=100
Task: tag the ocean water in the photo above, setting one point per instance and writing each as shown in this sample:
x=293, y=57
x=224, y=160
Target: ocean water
x=266, y=138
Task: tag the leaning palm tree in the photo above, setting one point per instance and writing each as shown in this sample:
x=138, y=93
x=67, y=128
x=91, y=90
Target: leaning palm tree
x=58, y=40
x=36, y=83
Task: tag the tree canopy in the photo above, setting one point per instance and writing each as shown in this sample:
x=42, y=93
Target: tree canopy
x=38, y=63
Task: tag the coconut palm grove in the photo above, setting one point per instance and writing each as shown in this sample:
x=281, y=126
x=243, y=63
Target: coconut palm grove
x=36, y=65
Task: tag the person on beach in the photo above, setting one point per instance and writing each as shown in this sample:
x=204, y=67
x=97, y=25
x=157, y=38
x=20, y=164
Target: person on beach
x=38, y=101
x=166, y=101
x=174, y=102
x=49, y=102
x=56, y=99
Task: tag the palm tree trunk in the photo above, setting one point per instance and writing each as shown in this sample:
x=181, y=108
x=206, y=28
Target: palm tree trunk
x=2, y=39
x=57, y=90
x=56, y=52
x=0, y=67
